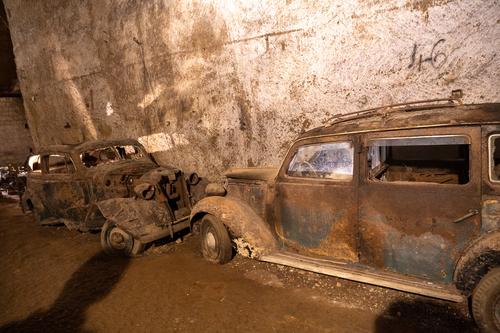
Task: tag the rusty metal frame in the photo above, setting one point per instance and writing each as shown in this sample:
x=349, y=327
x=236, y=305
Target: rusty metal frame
x=367, y=140
x=490, y=139
x=67, y=155
x=282, y=174
x=429, y=104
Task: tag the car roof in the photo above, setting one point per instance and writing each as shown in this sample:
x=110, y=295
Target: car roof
x=409, y=116
x=86, y=146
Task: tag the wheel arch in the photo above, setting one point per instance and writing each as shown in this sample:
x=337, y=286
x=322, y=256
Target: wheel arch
x=31, y=201
x=478, y=259
x=239, y=218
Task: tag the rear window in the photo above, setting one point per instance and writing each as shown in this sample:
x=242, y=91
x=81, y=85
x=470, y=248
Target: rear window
x=494, y=148
x=436, y=159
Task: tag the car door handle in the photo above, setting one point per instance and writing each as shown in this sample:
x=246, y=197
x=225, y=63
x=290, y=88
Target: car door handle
x=471, y=213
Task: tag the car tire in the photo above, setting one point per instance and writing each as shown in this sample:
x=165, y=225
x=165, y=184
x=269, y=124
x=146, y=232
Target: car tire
x=486, y=302
x=216, y=244
x=118, y=242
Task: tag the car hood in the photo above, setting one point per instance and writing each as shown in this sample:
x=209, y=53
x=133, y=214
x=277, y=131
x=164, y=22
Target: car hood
x=137, y=167
x=266, y=174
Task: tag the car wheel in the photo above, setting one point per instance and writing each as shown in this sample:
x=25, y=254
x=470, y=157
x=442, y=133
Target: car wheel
x=486, y=302
x=216, y=244
x=116, y=241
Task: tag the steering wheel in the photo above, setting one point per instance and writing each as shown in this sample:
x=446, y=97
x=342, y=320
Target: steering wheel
x=306, y=168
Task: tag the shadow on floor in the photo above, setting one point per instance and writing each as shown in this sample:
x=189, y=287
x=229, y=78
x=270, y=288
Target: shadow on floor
x=423, y=316
x=89, y=284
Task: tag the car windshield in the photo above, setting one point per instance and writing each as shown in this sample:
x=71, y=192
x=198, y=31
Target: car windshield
x=106, y=155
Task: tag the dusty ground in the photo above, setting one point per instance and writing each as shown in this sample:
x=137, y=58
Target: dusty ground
x=55, y=280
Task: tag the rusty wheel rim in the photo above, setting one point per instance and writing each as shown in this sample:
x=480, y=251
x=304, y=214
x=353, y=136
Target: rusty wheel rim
x=210, y=243
x=120, y=240
x=210, y=240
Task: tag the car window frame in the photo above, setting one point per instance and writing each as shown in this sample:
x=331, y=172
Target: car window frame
x=490, y=159
x=370, y=179
x=473, y=133
x=29, y=168
x=140, y=148
x=66, y=155
x=283, y=176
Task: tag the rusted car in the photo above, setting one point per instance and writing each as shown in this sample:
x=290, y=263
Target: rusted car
x=68, y=180
x=405, y=196
x=86, y=187
x=160, y=208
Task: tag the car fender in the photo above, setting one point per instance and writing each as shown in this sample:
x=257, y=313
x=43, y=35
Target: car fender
x=243, y=223
x=31, y=197
x=482, y=255
x=136, y=216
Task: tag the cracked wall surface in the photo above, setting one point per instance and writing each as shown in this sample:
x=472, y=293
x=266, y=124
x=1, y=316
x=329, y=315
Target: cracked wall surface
x=208, y=85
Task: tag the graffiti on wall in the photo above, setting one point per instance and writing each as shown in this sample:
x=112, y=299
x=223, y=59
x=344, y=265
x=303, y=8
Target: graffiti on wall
x=436, y=58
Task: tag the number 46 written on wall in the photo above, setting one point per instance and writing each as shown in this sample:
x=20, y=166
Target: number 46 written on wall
x=436, y=58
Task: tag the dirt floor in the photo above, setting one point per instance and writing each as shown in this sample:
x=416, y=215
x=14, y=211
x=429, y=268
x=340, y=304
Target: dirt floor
x=56, y=280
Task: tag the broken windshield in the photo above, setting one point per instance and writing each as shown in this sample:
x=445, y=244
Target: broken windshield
x=107, y=155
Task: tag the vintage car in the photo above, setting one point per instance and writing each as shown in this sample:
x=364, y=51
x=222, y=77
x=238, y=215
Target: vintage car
x=404, y=196
x=113, y=185
x=160, y=208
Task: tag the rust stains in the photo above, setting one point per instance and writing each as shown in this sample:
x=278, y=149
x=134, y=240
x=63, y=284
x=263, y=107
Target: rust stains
x=424, y=5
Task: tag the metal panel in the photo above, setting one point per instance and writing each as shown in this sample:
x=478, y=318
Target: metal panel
x=408, y=227
x=318, y=216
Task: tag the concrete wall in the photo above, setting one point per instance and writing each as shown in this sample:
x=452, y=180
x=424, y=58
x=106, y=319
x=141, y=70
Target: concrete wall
x=15, y=139
x=211, y=84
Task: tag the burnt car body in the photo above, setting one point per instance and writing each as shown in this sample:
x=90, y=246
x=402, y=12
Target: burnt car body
x=160, y=207
x=405, y=197
x=113, y=185
x=66, y=182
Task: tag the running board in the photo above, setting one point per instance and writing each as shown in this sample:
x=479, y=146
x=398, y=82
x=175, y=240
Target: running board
x=341, y=270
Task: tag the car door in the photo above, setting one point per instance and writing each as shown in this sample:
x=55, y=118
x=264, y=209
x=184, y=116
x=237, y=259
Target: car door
x=316, y=198
x=64, y=189
x=419, y=200
x=491, y=179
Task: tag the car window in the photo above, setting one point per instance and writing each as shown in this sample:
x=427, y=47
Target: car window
x=494, y=148
x=60, y=163
x=333, y=160
x=436, y=159
x=129, y=152
x=35, y=164
x=94, y=157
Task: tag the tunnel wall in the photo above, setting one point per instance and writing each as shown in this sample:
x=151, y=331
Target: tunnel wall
x=207, y=85
x=15, y=139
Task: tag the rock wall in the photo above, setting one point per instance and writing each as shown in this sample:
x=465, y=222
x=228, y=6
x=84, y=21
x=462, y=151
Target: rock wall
x=8, y=78
x=15, y=139
x=209, y=84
